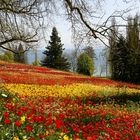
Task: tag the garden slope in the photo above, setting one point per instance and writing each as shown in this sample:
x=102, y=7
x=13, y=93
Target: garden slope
x=28, y=74
x=41, y=103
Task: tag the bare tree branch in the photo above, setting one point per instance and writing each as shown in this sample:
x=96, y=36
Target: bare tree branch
x=74, y=8
x=23, y=20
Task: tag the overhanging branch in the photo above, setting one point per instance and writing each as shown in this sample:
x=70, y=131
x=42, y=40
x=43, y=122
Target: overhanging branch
x=74, y=8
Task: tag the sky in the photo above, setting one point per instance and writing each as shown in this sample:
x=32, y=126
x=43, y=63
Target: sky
x=108, y=7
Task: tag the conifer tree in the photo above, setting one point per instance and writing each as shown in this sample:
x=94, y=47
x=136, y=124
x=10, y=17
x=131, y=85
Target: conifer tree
x=112, y=49
x=120, y=61
x=125, y=53
x=133, y=45
x=19, y=56
x=54, y=53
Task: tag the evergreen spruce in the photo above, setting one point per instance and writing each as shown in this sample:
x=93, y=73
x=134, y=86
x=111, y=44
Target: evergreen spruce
x=54, y=53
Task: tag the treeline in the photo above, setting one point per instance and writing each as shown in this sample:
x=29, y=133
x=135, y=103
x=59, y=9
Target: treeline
x=124, y=53
x=18, y=55
x=54, y=57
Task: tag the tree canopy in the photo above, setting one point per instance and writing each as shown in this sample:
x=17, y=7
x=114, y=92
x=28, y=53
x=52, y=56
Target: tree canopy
x=54, y=53
x=125, y=53
x=85, y=64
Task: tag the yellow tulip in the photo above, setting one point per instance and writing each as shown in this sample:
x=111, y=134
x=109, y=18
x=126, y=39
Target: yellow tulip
x=22, y=119
x=77, y=89
x=15, y=138
x=66, y=138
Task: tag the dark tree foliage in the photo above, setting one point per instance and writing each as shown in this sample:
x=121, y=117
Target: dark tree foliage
x=125, y=54
x=85, y=65
x=19, y=56
x=119, y=60
x=133, y=45
x=54, y=53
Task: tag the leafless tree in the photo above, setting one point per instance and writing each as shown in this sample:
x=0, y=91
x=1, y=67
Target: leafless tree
x=88, y=23
x=22, y=20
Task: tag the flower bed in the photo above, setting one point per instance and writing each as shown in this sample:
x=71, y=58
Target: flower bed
x=38, y=103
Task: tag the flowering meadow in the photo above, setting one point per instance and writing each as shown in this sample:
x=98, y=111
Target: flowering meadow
x=38, y=103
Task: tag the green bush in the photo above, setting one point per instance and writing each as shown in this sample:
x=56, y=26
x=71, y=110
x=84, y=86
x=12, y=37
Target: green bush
x=7, y=56
x=35, y=63
x=85, y=65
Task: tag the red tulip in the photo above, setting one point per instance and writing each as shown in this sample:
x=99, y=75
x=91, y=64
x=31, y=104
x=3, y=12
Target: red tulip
x=58, y=123
x=5, y=114
x=7, y=121
x=18, y=123
x=29, y=128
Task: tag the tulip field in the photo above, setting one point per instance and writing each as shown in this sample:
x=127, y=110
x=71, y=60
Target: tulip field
x=38, y=103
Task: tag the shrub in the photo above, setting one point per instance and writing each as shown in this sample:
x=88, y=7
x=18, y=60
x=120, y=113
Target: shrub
x=85, y=65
